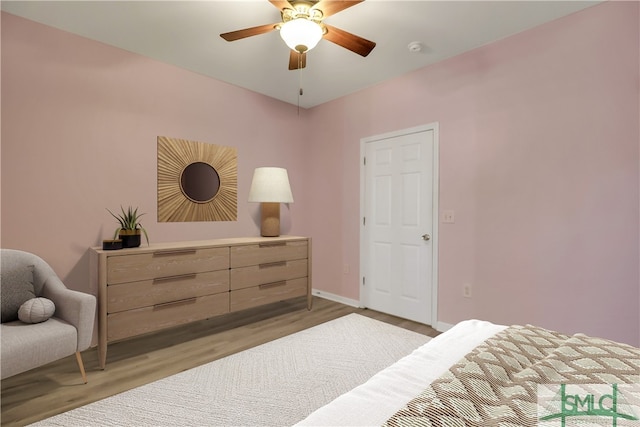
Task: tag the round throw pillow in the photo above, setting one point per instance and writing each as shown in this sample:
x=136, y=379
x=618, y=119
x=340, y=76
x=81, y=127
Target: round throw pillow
x=36, y=310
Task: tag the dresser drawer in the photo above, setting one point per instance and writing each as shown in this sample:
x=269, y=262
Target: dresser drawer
x=267, y=293
x=143, y=320
x=245, y=277
x=128, y=296
x=133, y=268
x=246, y=255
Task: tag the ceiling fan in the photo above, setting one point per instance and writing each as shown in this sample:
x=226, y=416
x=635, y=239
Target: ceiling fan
x=302, y=27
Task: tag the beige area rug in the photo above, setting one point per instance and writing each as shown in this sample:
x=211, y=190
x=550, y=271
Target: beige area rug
x=276, y=384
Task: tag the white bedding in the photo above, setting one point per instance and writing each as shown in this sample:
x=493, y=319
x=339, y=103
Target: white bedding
x=375, y=401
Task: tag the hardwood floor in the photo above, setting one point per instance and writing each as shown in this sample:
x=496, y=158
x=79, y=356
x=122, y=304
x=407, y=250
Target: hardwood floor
x=57, y=387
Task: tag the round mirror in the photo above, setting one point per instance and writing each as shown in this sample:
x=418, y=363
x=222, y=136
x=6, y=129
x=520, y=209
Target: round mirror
x=200, y=182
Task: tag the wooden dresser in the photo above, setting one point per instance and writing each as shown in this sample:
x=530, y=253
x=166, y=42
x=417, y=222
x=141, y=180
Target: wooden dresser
x=146, y=289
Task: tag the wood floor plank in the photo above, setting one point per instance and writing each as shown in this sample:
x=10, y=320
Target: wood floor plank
x=57, y=387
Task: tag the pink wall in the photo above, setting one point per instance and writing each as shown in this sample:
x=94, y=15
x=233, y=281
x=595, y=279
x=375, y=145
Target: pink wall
x=539, y=158
x=79, y=127
x=539, y=146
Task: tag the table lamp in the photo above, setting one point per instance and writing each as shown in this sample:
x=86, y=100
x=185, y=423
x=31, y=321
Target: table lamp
x=270, y=186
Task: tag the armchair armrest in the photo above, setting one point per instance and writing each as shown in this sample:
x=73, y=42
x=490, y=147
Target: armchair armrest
x=76, y=308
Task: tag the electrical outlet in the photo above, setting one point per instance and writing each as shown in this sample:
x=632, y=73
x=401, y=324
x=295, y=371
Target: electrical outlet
x=466, y=291
x=346, y=269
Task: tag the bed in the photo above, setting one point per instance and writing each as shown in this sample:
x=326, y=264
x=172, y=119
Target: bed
x=480, y=373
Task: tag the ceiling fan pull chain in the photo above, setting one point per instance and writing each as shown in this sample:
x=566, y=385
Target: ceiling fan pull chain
x=299, y=80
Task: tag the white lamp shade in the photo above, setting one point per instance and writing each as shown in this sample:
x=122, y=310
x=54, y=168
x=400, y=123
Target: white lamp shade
x=270, y=185
x=301, y=34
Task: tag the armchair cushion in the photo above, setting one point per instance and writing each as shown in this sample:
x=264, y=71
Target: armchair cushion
x=36, y=310
x=27, y=346
x=16, y=289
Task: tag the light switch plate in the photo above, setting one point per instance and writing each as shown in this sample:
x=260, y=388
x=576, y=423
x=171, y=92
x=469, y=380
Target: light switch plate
x=448, y=217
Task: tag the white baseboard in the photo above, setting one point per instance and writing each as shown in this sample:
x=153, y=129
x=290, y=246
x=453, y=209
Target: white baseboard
x=443, y=327
x=336, y=298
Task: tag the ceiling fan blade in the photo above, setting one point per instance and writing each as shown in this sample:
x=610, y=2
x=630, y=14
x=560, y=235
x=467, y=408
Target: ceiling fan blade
x=294, y=64
x=281, y=4
x=248, y=32
x=349, y=41
x=331, y=7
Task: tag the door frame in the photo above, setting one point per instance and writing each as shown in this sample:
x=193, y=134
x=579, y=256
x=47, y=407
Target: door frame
x=435, y=198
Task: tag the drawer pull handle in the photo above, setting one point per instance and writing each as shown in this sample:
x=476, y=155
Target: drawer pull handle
x=271, y=244
x=272, y=285
x=174, y=278
x=179, y=252
x=273, y=264
x=174, y=303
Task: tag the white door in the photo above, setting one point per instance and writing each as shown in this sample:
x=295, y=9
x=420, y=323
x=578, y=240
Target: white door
x=399, y=224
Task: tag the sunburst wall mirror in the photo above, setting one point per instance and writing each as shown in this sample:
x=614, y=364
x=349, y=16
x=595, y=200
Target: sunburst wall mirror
x=196, y=181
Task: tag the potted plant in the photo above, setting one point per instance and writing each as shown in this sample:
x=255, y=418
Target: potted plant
x=130, y=227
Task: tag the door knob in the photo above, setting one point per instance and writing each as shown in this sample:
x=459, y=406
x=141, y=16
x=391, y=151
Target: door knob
x=426, y=237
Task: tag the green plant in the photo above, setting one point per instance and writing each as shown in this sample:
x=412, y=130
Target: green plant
x=129, y=220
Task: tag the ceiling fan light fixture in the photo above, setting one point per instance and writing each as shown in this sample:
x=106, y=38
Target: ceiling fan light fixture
x=301, y=34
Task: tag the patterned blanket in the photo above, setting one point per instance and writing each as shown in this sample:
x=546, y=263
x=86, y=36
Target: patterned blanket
x=499, y=383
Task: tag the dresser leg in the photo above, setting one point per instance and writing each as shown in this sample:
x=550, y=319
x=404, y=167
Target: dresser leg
x=102, y=356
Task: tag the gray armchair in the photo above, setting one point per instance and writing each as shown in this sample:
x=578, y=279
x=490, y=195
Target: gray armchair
x=25, y=346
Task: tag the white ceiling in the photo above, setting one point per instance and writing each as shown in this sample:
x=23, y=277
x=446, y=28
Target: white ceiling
x=186, y=34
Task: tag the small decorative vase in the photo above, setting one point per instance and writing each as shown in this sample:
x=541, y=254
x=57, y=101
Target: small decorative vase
x=130, y=238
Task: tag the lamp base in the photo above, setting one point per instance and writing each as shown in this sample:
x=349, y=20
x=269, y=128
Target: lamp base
x=270, y=219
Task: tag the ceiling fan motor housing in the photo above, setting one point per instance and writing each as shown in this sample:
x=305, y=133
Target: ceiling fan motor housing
x=302, y=9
